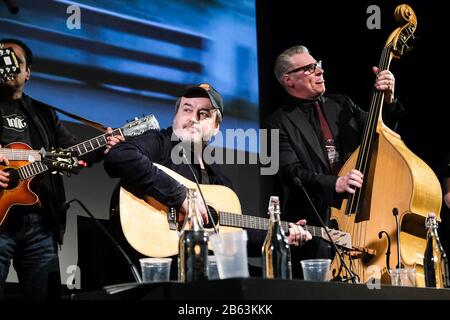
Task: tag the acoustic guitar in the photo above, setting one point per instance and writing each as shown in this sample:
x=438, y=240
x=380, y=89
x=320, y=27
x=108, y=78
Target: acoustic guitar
x=151, y=228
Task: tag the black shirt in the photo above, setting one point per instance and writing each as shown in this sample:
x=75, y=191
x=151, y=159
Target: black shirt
x=15, y=123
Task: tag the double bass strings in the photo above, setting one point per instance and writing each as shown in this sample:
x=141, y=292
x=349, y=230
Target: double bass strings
x=369, y=136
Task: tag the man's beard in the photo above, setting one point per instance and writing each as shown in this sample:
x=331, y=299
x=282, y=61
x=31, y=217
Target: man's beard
x=186, y=135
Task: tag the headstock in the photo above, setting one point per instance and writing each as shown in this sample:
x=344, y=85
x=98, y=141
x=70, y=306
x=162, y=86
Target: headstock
x=140, y=125
x=9, y=65
x=61, y=160
x=399, y=40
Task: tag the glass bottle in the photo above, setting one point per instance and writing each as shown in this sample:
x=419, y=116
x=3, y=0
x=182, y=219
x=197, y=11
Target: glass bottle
x=192, y=244
x=276, y=253
x=435, y=260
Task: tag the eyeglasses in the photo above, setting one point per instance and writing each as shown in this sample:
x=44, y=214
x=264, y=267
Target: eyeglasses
x=308, y=69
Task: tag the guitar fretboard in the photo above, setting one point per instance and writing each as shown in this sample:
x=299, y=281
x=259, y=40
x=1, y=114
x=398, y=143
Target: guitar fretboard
x=19, y=154
x=94, y=143
x=253, y=222
x=32, y=169
x=35, y=168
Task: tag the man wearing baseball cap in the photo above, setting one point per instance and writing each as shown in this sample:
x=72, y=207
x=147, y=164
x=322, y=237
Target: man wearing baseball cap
x=198, y=115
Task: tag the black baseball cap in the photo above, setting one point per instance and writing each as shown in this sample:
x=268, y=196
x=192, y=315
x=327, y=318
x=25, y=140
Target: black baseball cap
x=214, y=96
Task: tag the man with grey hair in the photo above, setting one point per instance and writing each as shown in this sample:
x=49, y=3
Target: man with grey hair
x=318, y=132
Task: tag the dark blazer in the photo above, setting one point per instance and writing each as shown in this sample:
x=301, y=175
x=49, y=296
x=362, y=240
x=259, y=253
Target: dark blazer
x=302, y=155
x=132, y=162
x=48, y=131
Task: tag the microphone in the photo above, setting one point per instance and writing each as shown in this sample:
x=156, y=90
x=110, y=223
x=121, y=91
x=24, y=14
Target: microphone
x=116, y=245
x=199, y=189
x=299, y=183
x=13, y=8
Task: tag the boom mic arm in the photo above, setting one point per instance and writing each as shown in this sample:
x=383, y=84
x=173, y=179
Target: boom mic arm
x=200, y=191
x=116, y=245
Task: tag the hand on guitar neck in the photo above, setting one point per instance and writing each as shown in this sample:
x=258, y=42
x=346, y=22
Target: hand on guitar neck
x=297, y=235
x=112, y=140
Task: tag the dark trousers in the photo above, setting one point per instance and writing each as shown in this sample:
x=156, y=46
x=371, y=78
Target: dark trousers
x=27, y=240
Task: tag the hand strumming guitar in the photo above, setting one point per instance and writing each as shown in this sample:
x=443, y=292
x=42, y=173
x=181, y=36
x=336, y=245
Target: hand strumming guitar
x=200, y=207
x=4, y=175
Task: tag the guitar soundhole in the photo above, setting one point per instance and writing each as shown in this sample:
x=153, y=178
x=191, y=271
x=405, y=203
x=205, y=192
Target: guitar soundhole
x=215, y=216
x=13, y=178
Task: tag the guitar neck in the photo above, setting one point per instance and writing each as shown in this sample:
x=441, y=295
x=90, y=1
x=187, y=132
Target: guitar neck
x=32, y=169
x=252, y=222
x=20, y=155
x=35, y=168
x=94, y=143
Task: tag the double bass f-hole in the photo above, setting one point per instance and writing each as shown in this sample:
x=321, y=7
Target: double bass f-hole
x=388, y=250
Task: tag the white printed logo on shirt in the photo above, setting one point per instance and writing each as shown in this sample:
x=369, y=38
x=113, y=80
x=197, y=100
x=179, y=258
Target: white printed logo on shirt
x=15, y=122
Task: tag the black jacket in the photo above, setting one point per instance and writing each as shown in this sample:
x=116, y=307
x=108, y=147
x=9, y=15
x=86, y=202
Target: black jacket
x=132, y=162
x=302, y=155
x=48, y=131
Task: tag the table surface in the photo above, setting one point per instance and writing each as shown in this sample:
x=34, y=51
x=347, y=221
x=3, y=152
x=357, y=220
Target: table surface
x=261, y=289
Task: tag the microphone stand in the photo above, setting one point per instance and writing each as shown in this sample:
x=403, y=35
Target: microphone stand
x=200, y=190
x=299, y=183
x=118, y=247
x=395, y=213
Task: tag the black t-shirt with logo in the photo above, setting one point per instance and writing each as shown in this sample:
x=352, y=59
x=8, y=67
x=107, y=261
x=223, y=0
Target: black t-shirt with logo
x=15, y=124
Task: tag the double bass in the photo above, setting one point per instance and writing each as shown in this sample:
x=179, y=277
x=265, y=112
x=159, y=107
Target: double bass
x=397, y=185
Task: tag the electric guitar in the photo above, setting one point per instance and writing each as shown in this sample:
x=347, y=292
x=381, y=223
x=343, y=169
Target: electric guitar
x=25, y=163
x=151, y=228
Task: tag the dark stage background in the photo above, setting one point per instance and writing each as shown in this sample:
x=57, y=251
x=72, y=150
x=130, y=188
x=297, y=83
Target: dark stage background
x=335, y=32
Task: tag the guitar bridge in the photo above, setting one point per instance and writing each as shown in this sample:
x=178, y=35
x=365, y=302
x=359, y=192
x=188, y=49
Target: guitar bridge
x=172, y=219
